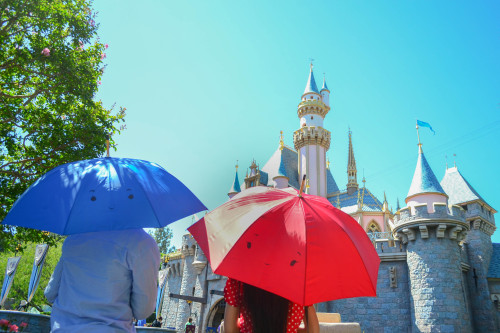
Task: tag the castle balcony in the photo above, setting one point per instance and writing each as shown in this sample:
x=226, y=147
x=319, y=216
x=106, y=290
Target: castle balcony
x=312, y=106
x=311, y=135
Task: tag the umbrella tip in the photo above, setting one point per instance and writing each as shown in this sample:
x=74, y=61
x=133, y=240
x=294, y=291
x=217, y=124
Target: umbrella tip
x=302, y=185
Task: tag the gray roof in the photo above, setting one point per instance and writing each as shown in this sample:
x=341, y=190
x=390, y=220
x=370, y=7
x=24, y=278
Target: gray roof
x=424, y=180
x=311, y=84
x=286, y=160
x=331, y=185
x=370, y=202
x=494, y=270
x=458, y=188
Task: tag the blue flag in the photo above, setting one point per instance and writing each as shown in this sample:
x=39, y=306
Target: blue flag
x=424, y=124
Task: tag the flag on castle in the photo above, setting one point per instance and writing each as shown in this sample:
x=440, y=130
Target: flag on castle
x=424, y=124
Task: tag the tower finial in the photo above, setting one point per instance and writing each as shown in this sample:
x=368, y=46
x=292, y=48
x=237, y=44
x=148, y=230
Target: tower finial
x=418, y=137
x=236, y=165
x=311, y=65
x=282, y=144
x=328, y=163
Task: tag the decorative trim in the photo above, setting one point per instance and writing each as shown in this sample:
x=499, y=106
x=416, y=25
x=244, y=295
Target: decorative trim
x=440, y=231
x=311, y=135
x=424, y=233
x=312, y=106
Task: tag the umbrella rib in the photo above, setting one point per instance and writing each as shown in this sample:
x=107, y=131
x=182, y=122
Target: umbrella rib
x=354, y=245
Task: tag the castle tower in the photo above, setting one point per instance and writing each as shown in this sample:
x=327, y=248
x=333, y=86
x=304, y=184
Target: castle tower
x=281, y=179
x=312, y=141
x=352, y=180
x=480, y=217
x=235, y=188
x=432, y=234
x=253, y=179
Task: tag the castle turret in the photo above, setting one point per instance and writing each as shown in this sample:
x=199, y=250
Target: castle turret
x=312, y=141
x=480, y=217
x=432, y=233
x=281, y=179
x=352, y=180
x=325, y=93
x=235, y=188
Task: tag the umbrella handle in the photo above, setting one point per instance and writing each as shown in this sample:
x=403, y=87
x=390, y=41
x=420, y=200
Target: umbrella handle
x=302, y=185
x=306, y=316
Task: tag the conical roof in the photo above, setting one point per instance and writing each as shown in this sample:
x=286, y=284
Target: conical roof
x=458, y=188
x=281, y=168
x=424, y=180
x=325, y=87
x=311, y=84
x=236, y=184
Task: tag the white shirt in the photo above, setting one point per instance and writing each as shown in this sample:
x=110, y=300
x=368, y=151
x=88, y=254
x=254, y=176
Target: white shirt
x=104, y=280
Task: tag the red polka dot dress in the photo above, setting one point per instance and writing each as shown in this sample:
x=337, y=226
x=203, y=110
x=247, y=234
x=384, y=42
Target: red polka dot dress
x=233, y=294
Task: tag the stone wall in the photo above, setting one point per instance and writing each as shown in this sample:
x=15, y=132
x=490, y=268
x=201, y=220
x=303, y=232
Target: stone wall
x=389, y=312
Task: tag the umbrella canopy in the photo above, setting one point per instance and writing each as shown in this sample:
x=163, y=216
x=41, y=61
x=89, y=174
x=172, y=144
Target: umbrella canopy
x=299, y=247
x=103, y=194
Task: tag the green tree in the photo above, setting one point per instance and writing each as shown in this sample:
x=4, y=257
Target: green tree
x=51, y=63
x=19, y=289
x=163, y=237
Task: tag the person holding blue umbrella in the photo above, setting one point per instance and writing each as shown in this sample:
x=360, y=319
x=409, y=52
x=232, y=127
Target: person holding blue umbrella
x=107, y=274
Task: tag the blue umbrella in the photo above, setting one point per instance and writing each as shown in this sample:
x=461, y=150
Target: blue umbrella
x=36, y=273
x=103, y=194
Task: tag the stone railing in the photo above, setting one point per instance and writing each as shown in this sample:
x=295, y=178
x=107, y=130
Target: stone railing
x=380, y=235
x=441, y=212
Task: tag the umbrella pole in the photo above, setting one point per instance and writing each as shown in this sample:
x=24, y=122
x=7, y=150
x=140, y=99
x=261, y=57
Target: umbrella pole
x=306, y=317
x=302, y=185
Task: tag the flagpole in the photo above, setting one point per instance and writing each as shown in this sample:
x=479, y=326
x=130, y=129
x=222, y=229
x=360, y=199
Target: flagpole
x=418, y=137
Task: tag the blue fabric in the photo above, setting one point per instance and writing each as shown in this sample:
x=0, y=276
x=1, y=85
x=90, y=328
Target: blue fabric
x=159, y=297
x=424, y=124
x=10, y=272
x=103, y=194
x=104, y=280
x=36, y=273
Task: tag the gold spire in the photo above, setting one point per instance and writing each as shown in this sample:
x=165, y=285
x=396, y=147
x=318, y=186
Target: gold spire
x=328, y=163
x=282, y=144
x=236, y=165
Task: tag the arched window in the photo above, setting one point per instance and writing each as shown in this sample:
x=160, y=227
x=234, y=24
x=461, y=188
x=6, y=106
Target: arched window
x=372, y=227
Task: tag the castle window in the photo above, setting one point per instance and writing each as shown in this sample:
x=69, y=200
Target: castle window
x=373, y=229
x=311, y=117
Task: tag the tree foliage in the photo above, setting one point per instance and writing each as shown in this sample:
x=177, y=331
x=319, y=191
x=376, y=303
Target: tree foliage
x=163, y=237
x=19, y=289
x=51, y=63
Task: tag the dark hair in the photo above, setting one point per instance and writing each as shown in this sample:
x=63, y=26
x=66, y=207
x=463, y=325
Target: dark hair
x=268, y=311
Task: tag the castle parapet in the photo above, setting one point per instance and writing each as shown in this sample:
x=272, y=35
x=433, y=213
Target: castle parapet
x=440, y=222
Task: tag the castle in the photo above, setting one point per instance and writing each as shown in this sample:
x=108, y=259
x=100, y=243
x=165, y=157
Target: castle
x=439, y=270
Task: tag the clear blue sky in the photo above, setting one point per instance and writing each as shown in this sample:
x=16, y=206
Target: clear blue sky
x=206, y=83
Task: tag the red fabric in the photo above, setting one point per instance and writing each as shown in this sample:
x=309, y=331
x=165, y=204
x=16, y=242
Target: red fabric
x=233, y=294
x=304, y=239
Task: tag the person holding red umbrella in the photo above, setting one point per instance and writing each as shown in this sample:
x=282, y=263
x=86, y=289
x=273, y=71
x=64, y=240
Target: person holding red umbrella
x=290, y=244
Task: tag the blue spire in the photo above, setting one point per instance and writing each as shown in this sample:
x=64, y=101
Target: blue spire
x=311, y=83
x=424, y=180
x=236, y=184
x=325, y=87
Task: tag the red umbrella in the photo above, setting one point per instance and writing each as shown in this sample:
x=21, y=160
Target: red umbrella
x=297, y=246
